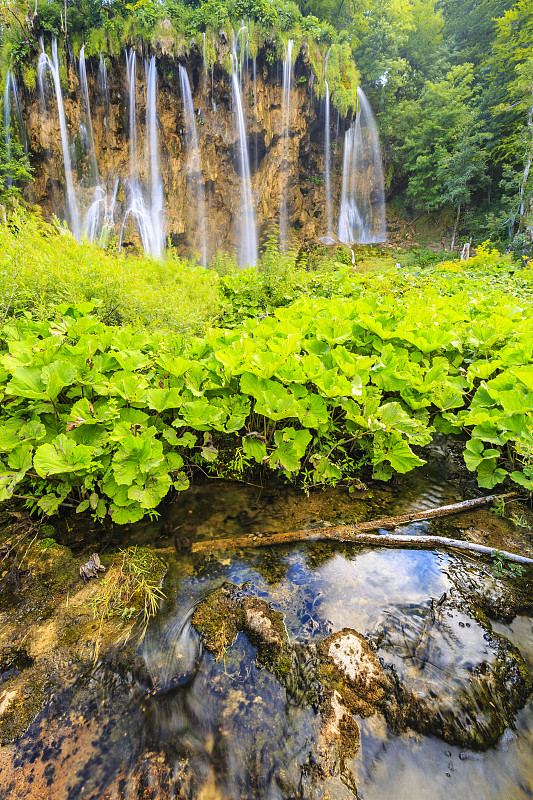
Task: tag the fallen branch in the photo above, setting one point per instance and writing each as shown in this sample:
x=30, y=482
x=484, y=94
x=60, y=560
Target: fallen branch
x=359, y=533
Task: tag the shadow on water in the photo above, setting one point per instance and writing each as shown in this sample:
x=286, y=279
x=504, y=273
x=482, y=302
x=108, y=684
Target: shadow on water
x=164, y=719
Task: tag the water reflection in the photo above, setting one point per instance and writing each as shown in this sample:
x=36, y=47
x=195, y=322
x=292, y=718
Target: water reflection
x=169, y=721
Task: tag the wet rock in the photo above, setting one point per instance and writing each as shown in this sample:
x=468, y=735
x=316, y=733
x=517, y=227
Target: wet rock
x=48, y=630
x=349, y=665
x=218, y=619
x=228, y=610
x=91, y=568
x=339, y=739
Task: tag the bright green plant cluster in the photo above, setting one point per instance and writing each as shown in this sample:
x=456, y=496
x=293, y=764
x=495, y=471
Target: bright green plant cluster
x=42, y=265
x=361, y=367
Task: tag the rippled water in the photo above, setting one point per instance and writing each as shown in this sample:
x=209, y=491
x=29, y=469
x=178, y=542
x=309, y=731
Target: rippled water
x=174, y=723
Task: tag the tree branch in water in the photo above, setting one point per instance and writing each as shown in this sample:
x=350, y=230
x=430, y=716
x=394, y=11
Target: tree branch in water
x=359, y=533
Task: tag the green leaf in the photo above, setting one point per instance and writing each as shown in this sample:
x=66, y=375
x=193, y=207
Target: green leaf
x=150, y=493
x=21, y=459
x=254, y=448
x=126, y=515
x=522, y=480
x=57, y=376
x=290, y=447
x=136, y=455
x=26, y=382
x=62, y=456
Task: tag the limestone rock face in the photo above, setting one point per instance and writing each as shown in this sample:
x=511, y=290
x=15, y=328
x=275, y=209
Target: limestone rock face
x=301, y=162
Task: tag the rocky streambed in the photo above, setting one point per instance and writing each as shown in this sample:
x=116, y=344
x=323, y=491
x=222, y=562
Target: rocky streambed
x=317, y=670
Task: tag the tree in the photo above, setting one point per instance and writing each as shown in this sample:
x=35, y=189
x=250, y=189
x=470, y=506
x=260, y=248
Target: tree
x=439, y=142
x=14, y=167
x=512, y=71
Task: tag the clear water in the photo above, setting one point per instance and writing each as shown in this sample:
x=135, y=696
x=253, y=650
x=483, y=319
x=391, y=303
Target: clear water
x=174, y=723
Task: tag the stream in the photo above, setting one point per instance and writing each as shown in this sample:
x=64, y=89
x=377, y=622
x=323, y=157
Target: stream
x=163, y=718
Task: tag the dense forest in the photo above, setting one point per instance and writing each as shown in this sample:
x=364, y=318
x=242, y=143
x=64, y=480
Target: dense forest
x=451, y=83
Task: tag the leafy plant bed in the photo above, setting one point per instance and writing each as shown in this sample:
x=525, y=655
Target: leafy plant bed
x=360, y=370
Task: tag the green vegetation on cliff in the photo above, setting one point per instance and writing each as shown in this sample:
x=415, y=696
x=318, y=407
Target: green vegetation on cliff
x=178, y=29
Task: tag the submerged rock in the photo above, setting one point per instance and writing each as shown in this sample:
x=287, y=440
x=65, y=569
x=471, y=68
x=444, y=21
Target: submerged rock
x=348, y=663
x=471, y=707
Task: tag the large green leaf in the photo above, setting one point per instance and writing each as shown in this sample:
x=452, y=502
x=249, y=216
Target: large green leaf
x=62, y=456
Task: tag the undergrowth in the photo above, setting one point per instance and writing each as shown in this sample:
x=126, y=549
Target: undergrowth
x=310, y=376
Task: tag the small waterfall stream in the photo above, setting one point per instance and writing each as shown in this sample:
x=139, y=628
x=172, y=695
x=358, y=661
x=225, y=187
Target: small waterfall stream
x=247, y=255
x=7, y=124
x=362, y=209
x=91, y=226
x=285, y=166
x=52, y=66
x=102, y=83
x=327, y=153
x=194, y=166
x=86, y=105
x=149, y=220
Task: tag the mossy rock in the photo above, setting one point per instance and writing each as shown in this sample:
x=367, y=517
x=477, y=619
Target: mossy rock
x=218, y=619
x=349, y=666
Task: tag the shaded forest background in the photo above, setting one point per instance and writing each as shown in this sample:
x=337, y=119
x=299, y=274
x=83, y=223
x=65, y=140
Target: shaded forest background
x=451, y=83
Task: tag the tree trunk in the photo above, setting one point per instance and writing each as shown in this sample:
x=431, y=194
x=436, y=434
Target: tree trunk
x=527, y=167
x=455, y=224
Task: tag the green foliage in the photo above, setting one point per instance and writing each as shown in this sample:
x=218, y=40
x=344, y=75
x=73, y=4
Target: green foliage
x=511, y=68
x=440, y=140
x=350, y=368
x=131, y=589
x=15, y=167
x=41, y=266
x=503, y=568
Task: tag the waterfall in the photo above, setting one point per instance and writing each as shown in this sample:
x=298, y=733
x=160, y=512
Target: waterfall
x=44, y=64
x=102, y=81
x=194, y=167
x=284, y=166
x=149, y=220
x=91, y=223
x=7, y=124
x=362, y=211
x=248, y=247
x=155, y=171
x=86, y=105
x=327, y=154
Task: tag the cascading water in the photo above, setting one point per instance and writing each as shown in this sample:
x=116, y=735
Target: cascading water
x=91, y=224
x=248, y=248
x=102, y=81
x=194, y=167
x=155, y=171
x=285, y=164
x=362, y=210
x=149, y=220
x=327, y=153
x=52, y=66
x=7, y=124
x=86, y=105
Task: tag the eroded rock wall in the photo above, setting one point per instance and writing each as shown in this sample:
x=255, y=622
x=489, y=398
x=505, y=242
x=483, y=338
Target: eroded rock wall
x=218, y=143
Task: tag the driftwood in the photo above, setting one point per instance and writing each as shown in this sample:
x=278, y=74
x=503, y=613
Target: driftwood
x=359, y=533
